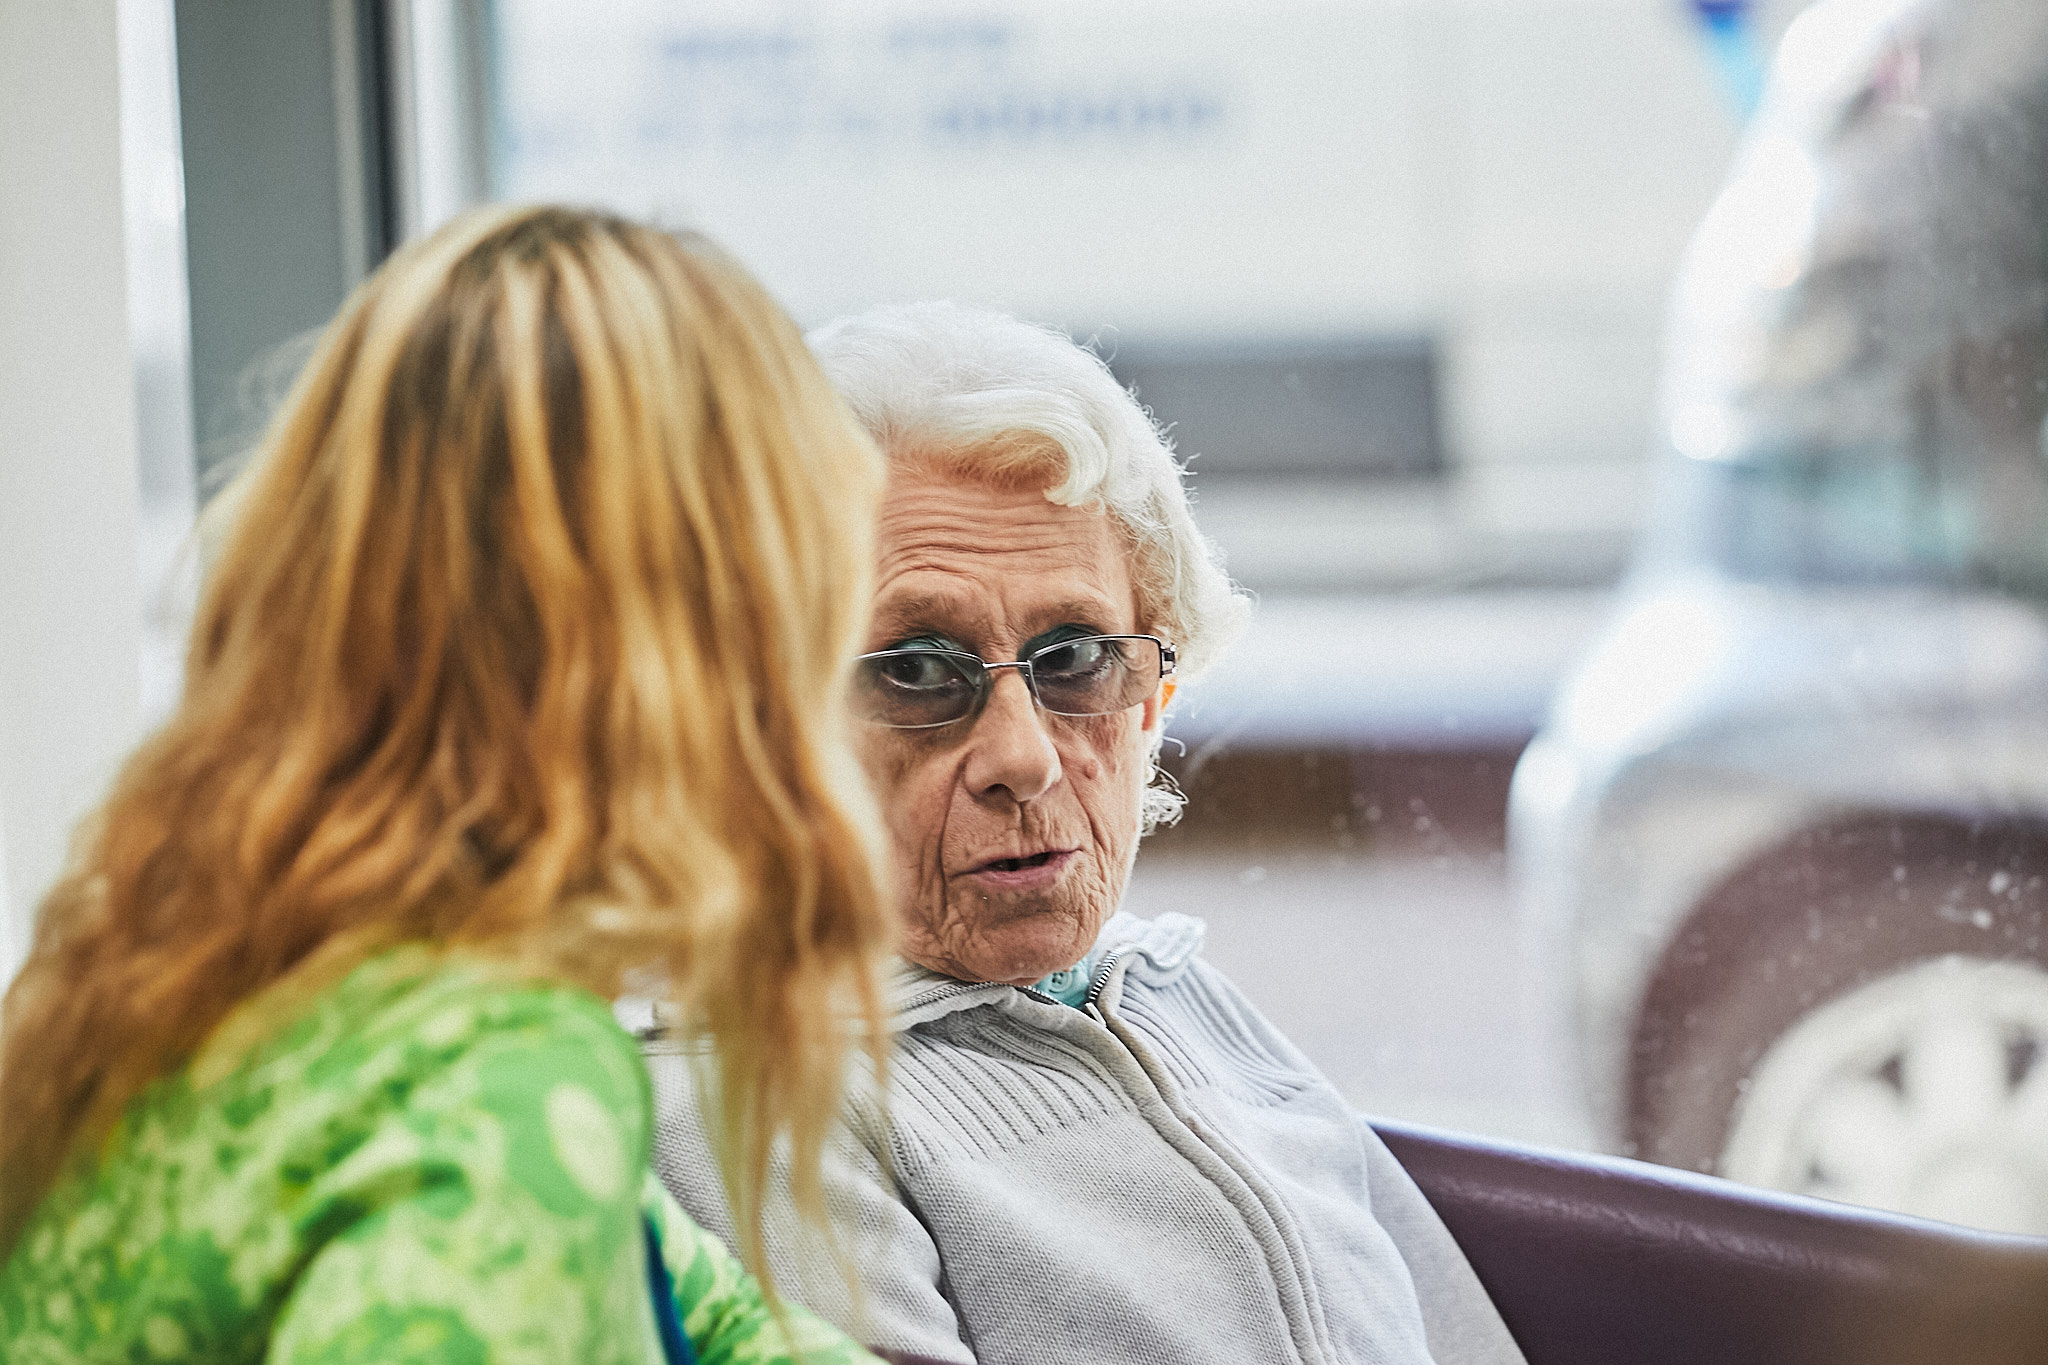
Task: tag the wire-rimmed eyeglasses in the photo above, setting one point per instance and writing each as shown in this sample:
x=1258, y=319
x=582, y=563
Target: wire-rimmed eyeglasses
x=1095, y=675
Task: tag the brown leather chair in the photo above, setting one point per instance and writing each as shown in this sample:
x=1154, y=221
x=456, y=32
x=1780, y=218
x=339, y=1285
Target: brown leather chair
x=1604, y=1261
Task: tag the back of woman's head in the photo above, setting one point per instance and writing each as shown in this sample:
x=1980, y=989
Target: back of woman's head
x=526, y=635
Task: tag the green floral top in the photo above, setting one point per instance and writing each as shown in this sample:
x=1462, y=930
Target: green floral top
x=429, y=1163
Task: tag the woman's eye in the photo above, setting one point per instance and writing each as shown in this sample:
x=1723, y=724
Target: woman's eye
x=1082, y=656
x=918, y=670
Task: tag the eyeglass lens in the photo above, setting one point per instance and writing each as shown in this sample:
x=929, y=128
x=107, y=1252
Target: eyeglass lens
x=914, y=689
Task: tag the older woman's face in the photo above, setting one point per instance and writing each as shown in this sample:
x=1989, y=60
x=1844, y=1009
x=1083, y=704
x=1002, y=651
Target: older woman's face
x=1015, y=828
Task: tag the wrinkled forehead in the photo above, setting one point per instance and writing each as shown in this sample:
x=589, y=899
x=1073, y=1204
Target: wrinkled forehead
x=992, y=562
x=1014, y=461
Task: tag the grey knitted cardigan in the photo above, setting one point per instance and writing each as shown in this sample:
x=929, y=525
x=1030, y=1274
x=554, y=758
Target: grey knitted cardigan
x=1159, y=1177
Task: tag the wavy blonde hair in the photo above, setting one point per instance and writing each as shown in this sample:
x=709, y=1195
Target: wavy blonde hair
x=528, y=638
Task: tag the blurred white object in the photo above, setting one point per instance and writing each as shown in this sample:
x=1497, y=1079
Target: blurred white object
x=1512, y=181
x=1423, y=671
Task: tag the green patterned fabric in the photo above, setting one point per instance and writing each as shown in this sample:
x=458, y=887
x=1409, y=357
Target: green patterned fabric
x=428, y=1163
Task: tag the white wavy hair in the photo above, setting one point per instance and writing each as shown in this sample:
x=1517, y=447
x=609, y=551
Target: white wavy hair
x=996, y=395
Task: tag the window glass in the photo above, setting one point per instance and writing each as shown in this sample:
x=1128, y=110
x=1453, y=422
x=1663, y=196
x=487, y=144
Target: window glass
x=1637, y=460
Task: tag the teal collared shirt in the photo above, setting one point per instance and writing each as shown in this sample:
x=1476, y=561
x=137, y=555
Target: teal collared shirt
x=1070, y=987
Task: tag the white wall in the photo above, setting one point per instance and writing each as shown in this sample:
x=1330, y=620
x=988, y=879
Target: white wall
x=70, y=604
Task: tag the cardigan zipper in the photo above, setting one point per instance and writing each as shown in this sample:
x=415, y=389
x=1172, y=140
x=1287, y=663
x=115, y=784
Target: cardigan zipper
x=1295, y=1261
x=1100, y=980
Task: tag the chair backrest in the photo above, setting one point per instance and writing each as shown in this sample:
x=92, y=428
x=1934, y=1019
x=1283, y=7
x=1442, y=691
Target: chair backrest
x=1603, y=1261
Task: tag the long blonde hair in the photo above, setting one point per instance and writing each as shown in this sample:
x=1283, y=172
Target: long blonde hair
x=528, y=638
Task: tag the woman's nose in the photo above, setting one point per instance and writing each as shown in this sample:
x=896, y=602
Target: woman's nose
x=1011, y=750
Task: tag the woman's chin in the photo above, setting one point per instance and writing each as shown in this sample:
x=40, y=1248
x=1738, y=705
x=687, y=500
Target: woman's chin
x=1016, y=952
x=1030, y=957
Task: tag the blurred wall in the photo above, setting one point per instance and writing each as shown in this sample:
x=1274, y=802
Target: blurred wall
x=70, y=604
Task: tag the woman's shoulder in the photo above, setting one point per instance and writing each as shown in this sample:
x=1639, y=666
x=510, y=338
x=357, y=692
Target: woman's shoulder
x=442, y=1046
x=422, y=1002
x=434, y=1039
x=408, y=1028
x=308, y=1109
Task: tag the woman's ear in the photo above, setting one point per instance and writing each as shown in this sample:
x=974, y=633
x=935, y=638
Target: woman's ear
x=1156, y=704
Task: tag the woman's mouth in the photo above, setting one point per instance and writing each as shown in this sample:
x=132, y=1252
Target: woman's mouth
x=1018, y=864
x=1023, y=873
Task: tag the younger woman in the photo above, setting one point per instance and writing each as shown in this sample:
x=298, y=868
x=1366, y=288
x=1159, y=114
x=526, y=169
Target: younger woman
x=518, y=675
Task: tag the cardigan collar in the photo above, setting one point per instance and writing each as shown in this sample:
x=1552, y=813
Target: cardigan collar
x=1155, y=951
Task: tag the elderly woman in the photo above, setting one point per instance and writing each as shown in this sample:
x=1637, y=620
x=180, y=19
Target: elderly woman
x=1093, y=1148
